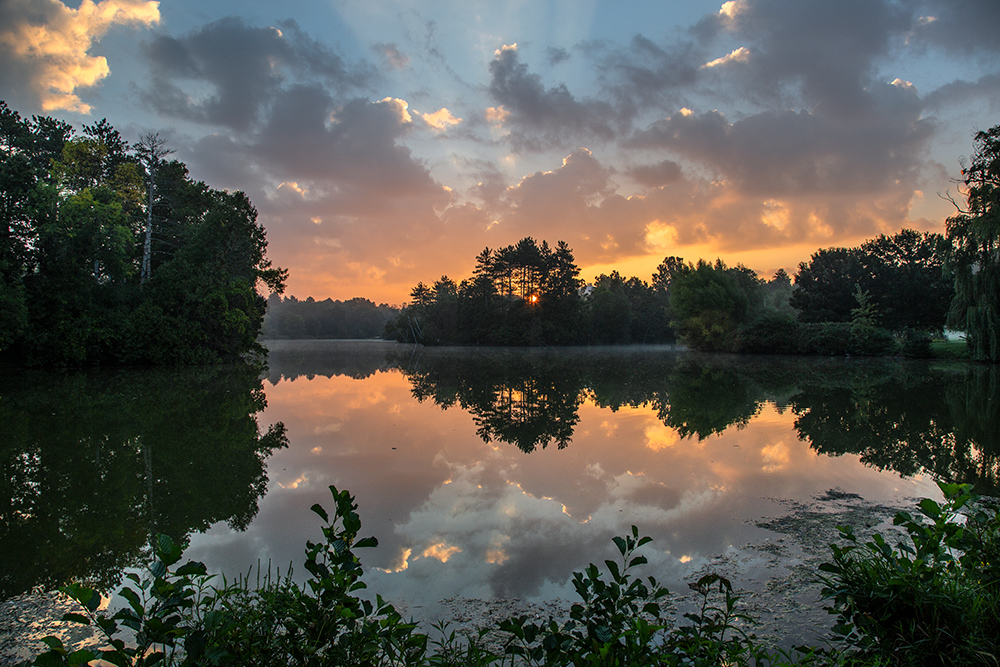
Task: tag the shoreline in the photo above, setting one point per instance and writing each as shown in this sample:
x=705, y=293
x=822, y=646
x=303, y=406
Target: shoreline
x=775, y=579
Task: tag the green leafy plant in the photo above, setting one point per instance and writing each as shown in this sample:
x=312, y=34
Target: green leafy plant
x=159, y=612
x=929, y=599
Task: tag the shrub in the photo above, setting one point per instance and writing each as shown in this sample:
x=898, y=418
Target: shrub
x=868, y=341
x=929, y=600
x=772, y=333
x=825, y=338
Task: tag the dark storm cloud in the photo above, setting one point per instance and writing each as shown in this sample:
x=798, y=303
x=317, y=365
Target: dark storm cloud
x=227, y=72
x=542, y=118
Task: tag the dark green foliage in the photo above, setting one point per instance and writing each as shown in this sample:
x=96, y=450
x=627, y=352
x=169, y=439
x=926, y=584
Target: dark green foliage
x=709, y=301
x=773, y=332
x=610, y=311
x=825, y=338
x=929, y=600
x=903, y=275
x=73, y=213
x=528, y=294
x=975, y=237
x=181, y=619
x=915, y=344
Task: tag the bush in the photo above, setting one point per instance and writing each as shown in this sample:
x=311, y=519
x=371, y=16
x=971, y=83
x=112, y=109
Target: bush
x=916, y=344
x=771, y=333
x=868, y=341
x=825, y=338
x=929, y=600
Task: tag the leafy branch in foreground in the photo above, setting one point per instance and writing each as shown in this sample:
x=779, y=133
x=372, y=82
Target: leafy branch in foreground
x=931, y=600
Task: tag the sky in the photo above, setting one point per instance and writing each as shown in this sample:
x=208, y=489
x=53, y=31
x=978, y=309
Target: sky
x=387, y=142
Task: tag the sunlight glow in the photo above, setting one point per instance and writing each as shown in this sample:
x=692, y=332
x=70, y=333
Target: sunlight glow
x=740, y=55
x=441, y=551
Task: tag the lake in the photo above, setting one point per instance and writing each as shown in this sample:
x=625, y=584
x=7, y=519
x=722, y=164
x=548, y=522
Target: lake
x=484, y=473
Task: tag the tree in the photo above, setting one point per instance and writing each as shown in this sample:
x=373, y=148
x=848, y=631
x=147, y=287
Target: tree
x=710, y=301
x=825, y=286
x=974, y=233
x=610, y=311
x=909, y=282
x=151, y=150
x=74, y=250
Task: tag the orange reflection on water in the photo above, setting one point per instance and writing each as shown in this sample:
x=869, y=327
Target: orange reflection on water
x=491, y=520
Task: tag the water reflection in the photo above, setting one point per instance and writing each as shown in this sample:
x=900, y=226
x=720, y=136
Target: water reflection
x=498, y=472
x=908, y=417
x=482, y=472
x=95, y=462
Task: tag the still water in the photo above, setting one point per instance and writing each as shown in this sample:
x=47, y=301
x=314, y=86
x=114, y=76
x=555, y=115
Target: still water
x=483, y=473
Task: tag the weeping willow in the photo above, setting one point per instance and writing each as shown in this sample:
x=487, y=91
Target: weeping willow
x=975, y=256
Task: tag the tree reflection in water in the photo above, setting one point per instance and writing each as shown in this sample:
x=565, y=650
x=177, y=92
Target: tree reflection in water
x=907, y=416
x=96, y=462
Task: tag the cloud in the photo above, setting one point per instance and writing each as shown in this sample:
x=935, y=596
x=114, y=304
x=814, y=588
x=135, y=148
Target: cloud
x=656, y=175
x=44, y=46
x=961, y=92
x=778, y=153
x=227, y=72
x=556, y=55
x=540, y=118
x=967, y=28
x=740, y=55
x=441, y=119
x=392, y=56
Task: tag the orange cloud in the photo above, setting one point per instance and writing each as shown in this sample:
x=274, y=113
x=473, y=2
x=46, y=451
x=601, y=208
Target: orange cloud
x=441, y=119
x=52, y=52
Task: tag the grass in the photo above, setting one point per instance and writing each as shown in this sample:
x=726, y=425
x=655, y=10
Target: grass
x=949, y=349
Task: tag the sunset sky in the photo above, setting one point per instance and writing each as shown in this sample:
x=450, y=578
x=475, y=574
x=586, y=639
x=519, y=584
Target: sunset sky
x=386, y=142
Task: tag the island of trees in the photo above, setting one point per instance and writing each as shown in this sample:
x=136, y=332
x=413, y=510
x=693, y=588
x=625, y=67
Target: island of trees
x=111, y=254
x=887, y=296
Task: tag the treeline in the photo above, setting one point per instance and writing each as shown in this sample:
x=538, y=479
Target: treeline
x=845, y=300
x=531, y=294
x=112, y=254
x=355, y=318
x=887, y=296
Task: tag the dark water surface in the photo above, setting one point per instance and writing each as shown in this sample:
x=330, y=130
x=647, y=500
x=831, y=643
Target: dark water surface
x=483, y=473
